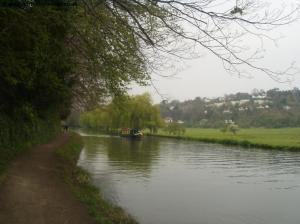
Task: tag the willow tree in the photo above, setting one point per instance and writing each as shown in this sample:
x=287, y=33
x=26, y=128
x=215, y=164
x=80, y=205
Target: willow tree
x=124, y=111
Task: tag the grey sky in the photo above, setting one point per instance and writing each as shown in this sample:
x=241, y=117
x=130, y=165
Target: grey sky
x=206, y=77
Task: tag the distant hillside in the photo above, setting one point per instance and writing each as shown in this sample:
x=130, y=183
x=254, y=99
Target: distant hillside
x=272, y=108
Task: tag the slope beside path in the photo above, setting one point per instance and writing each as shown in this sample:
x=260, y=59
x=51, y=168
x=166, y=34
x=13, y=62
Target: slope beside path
x=34, y=193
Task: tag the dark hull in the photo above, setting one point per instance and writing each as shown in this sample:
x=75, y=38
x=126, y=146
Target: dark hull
x=132, y=136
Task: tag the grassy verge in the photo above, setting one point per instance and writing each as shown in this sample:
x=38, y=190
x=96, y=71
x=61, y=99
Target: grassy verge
x=285, y=138
x=79, y=182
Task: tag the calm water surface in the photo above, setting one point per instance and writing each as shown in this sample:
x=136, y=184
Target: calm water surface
x=165, y=181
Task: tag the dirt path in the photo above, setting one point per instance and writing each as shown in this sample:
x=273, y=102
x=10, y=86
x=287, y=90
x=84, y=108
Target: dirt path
x=33, y=192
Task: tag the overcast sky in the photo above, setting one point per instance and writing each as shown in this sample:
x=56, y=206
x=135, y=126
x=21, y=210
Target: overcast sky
x=206, y=77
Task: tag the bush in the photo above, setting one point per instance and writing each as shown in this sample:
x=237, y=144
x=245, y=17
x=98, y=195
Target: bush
x=233, y=128
x=174, y=128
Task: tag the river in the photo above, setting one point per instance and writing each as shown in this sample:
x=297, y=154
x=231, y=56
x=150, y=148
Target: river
x=169, y=181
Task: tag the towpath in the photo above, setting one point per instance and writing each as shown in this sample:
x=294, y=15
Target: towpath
x=34, y=193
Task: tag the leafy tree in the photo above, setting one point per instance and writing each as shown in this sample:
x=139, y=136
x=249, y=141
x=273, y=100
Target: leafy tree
x=134, y=112
x=34, y=66
x=233, y=128
x=35, y=74
x=107, y=54
x=175, y=128
x=160, y=26
x=117, y=42
x=276, y=109
x=57, y=53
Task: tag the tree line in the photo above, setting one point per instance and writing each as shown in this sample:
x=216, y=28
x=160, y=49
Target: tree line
x=124, y=112
x=57, y=55
x=273, y=109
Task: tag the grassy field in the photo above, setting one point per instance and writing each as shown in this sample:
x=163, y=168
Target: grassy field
x=287, y=138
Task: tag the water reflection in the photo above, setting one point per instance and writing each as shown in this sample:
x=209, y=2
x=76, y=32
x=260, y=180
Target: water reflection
x=173, y=181
x=136, y=155
x=125, y=154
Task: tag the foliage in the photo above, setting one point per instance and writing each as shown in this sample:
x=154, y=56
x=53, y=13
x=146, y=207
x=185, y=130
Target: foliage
x=233, y=128
x=116, y=42
x=230, y=127
x=80, y=184
x=107, y=53
x=54, y=54
x=124, y=111
x=34, y=66
x=271, y=109
x=35, y=86
x=157, y=30
x=174, y=128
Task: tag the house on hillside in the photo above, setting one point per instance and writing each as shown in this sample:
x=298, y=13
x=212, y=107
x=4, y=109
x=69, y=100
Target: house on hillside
x=260, y=107
x=168, y=120
x=206, y=100
x=262, y=101
x=171, y=107
x=244, y=101
x=243, y=108
x=218, y=104
x=261, y=96
x=229, y=122
x=227, y=112
x=286, y=107
x=235, y=102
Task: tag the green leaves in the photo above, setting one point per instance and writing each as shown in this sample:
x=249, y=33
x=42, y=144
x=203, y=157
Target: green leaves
x=123, y=111
x=108, y=53
x=35, y=63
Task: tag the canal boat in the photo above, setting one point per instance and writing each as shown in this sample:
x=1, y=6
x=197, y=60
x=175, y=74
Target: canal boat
x=131, y=133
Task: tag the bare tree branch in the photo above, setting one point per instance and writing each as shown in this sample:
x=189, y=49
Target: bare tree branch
x=144, y=36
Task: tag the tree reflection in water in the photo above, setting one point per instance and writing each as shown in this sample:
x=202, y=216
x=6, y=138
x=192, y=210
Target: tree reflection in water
x=125, y=153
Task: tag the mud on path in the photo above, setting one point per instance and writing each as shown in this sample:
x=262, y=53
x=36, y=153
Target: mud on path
x=34, y=193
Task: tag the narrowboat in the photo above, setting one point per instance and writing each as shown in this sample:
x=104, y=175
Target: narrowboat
x=131, y=133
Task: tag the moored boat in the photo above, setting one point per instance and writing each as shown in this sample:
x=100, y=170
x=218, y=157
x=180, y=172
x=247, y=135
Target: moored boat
x=131, y=133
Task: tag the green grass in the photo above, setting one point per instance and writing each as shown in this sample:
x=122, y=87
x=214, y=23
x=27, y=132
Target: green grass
x=283, y=138
x=80, y=184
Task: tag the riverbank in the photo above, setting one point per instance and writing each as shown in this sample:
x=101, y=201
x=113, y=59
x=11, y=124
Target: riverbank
x=79, y=182
x=284, y=138
x=34, y=192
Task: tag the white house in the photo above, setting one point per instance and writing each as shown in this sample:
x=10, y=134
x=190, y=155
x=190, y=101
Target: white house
x=287, y=107
x=168, y=120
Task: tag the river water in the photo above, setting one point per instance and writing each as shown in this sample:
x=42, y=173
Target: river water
x=168, y=181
